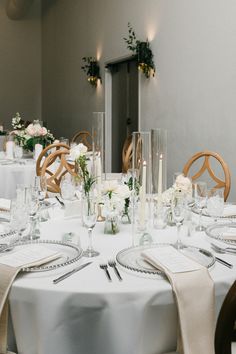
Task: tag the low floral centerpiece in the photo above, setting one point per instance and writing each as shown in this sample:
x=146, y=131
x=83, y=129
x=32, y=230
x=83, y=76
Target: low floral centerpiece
x=182, y=185
x=27, y=134
x=79, y=154
x=114, y=196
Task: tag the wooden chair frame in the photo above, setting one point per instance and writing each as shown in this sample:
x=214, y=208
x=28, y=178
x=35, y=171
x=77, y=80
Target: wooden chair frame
x=44, y=153
x=207, y=167
x=82, y=137
x=54, y=178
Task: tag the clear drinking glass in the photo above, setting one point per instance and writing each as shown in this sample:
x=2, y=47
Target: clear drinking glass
x=200, y=198
x=215, y=203
x=178, y=208
x=40, y=184
x=89, y=215
x=32, y=202
x=18, y=217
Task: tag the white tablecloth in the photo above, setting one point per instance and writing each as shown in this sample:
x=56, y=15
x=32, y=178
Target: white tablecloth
x=16, y=173
x=86, y=314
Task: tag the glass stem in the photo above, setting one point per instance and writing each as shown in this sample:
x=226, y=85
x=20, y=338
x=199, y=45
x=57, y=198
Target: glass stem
x=90, y=246
x=178, y=243
x=200, y=218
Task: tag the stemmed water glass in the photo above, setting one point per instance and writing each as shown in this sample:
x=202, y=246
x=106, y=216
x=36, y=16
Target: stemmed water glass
x=178, y=208
x=200, y=198
x=40, y=185
x=215, y=203
x=18, y=217
x=89, y=215
x=32, y=202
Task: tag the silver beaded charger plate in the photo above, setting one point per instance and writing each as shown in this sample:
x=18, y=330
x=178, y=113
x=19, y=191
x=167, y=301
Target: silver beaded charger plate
x=69, y=253
x=131, y=258
x=195, y=210
x=217, y=232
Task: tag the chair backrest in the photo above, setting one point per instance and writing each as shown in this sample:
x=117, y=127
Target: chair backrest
x=45, y=152
x=225, y=326
x=127, y=154
x=83, y=137
x=206, y=166
x=54, y=167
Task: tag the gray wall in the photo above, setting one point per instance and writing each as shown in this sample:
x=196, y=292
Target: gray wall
x=193, y=93
x=20, y=65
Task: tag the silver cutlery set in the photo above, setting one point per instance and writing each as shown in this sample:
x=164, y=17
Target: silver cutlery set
x=103, y=266
x=112, y=264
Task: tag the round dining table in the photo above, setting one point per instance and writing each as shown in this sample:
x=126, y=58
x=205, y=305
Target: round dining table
x=87, y=314
x=14, y=172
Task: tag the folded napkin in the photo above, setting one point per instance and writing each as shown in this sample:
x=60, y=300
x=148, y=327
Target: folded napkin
x=5, y=204
x=229, y=235
x=229, y=210
x=194, y=293
x=10, y=266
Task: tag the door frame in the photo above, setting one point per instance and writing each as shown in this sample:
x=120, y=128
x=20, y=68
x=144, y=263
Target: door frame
x=108, y=108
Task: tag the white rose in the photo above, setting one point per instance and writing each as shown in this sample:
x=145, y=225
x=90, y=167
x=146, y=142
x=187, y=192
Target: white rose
x=110, y=186
x=77, y=151
x=30, y=130
x=183, y=183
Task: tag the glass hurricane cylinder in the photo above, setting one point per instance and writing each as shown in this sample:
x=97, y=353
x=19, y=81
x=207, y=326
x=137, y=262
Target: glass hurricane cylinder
x=159, y=160
x=142, y=187
x=98, y=134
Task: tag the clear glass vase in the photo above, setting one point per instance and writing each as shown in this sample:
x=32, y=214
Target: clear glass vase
x=111, y=225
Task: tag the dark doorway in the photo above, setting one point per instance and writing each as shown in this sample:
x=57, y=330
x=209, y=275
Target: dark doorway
x=124, y=106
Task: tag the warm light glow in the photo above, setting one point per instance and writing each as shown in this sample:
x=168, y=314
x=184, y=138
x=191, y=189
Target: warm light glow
x=151, y=31
x=99, y=53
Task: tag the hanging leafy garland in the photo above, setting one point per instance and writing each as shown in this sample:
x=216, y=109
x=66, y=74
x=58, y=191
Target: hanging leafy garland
x=142, y=51
x=91, y=69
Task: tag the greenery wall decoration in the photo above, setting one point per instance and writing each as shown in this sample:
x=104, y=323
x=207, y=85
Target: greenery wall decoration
x=92, y=70
x=142, y=51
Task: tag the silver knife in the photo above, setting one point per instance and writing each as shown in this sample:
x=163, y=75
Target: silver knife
x=68, y=274
x=229, y=265
x=60, y=201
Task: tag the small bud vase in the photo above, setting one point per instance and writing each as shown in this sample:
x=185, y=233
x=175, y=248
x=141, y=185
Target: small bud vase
x=111, y=225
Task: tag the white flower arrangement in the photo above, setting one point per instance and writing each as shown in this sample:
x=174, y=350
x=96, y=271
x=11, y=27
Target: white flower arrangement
x=114, y=194
x=77, y=151
x=182, y=184
x=29, y=135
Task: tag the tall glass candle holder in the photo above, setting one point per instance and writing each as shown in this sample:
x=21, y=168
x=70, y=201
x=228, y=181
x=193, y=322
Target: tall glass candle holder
x=98, y=134
x=142, y=187
x=159, y=160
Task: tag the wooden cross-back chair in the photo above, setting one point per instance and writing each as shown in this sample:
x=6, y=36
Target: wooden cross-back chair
x=61, y=168
x=45, y=152
x=225, y=326
x=127, y=153
x=55, y=166
x=206, y=166
x=84, y=137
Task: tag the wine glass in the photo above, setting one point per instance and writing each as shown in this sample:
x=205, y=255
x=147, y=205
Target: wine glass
x=215, y=203
x=32, y=202
x=18, y=217
x=40, y=185
x=178, y=208
x=89, y=216
x=200, y=198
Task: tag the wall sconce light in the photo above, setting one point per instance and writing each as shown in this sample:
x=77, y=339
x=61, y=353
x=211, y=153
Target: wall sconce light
x=142, y=52
x=92, y=70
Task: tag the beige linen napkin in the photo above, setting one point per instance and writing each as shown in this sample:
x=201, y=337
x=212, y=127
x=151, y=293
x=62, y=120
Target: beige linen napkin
x=194, y=293
x=7, y=276
x=10, y=266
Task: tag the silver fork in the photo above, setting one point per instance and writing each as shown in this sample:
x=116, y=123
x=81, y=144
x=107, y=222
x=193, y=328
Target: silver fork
x=112, y=264
x=223, y=249
x=104, y=266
